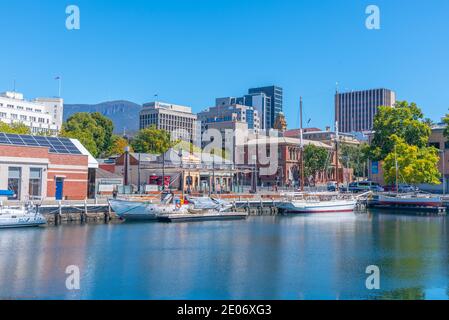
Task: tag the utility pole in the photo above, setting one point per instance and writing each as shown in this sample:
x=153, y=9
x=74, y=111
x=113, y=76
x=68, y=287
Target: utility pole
x=301, y=150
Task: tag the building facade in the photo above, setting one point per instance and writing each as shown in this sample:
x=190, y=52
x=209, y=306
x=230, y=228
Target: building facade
x=273, y=101
x=195, y=172
x=355, y=110
x=288, y=161
x=176, y=119
x=40, y=115
x=48, y=168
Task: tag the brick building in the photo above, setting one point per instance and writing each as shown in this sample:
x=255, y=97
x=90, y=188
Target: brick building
x=37, y=167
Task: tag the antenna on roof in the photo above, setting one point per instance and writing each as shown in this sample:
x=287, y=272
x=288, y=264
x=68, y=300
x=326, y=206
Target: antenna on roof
x=14, y=88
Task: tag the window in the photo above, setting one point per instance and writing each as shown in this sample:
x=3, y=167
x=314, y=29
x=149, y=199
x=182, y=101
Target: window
x=35, y=185
x=3, y=115
x=14, y=116
x=23, y=118
x=14, y=179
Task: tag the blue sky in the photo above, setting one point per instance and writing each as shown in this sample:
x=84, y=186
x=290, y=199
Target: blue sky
x=190, y=52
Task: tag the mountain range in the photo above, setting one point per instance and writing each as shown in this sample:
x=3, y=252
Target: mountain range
x=124, y=114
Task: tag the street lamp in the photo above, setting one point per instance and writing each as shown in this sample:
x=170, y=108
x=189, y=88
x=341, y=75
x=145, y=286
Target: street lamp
x=255, y=174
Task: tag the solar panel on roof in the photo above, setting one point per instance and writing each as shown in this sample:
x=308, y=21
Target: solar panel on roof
x=55, y=145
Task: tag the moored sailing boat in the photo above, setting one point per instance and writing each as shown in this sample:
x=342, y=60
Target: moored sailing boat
x=20, y=217
x=314, y=204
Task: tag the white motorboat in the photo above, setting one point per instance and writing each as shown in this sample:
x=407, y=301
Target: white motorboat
x=318, y=206
x=17, y=217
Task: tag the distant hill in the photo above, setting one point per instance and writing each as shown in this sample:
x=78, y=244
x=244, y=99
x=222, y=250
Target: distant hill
x=124, y=114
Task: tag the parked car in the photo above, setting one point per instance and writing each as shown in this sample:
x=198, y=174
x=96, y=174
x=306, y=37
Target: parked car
x=402, y=188
x=363, y=186
x=331, y=186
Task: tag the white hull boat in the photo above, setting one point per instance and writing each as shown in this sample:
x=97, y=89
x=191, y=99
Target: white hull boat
x=19, y=218
x=142, y=210
x=308, y=206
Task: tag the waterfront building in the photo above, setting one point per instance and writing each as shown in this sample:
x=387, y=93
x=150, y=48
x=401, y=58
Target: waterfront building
x=288, y=157
x=355, y=110
x=106, y=182
x=42, y=115
x=176, y=119
x=196, y=171
x=48, y=168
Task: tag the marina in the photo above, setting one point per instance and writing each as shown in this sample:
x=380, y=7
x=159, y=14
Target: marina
x=268, y=257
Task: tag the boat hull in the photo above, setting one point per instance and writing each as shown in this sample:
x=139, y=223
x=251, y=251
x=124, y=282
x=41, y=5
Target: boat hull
x=22, y=222
x=140, y=210
x=412, y=201
x=304, y=207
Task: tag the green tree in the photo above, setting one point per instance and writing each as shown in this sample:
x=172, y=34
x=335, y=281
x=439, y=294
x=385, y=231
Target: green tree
x=16, y=128
x=354, y=156
x=315, y=160
x=152, y=140
x=415, y=165
x=405, y=121
x=103, y=137
x=93, y=130
x=118, y=145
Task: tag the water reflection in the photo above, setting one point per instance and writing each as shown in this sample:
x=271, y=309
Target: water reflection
x=302, y=257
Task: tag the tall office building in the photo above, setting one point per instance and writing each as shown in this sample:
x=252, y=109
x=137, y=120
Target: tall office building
x=170, y=117
x=274, y=103
x=355, y=110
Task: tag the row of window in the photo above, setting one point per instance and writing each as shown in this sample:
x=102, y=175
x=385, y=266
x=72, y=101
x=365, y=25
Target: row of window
x=11, y=106
x=34, y=182
x=22, y=117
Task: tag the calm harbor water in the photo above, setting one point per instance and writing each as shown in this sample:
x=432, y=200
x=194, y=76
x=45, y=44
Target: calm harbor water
x=301, y=257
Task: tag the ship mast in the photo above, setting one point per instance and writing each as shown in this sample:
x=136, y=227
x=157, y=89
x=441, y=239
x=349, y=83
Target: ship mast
x=301, y=148
x=336, y=136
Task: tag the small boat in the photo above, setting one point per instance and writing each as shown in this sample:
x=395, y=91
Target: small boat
x=417, y=200
x=18, y=217
x=318, y=206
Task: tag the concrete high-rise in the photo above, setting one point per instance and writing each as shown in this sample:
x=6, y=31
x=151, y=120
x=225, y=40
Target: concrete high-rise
x=355, y=110
x=170, y=117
